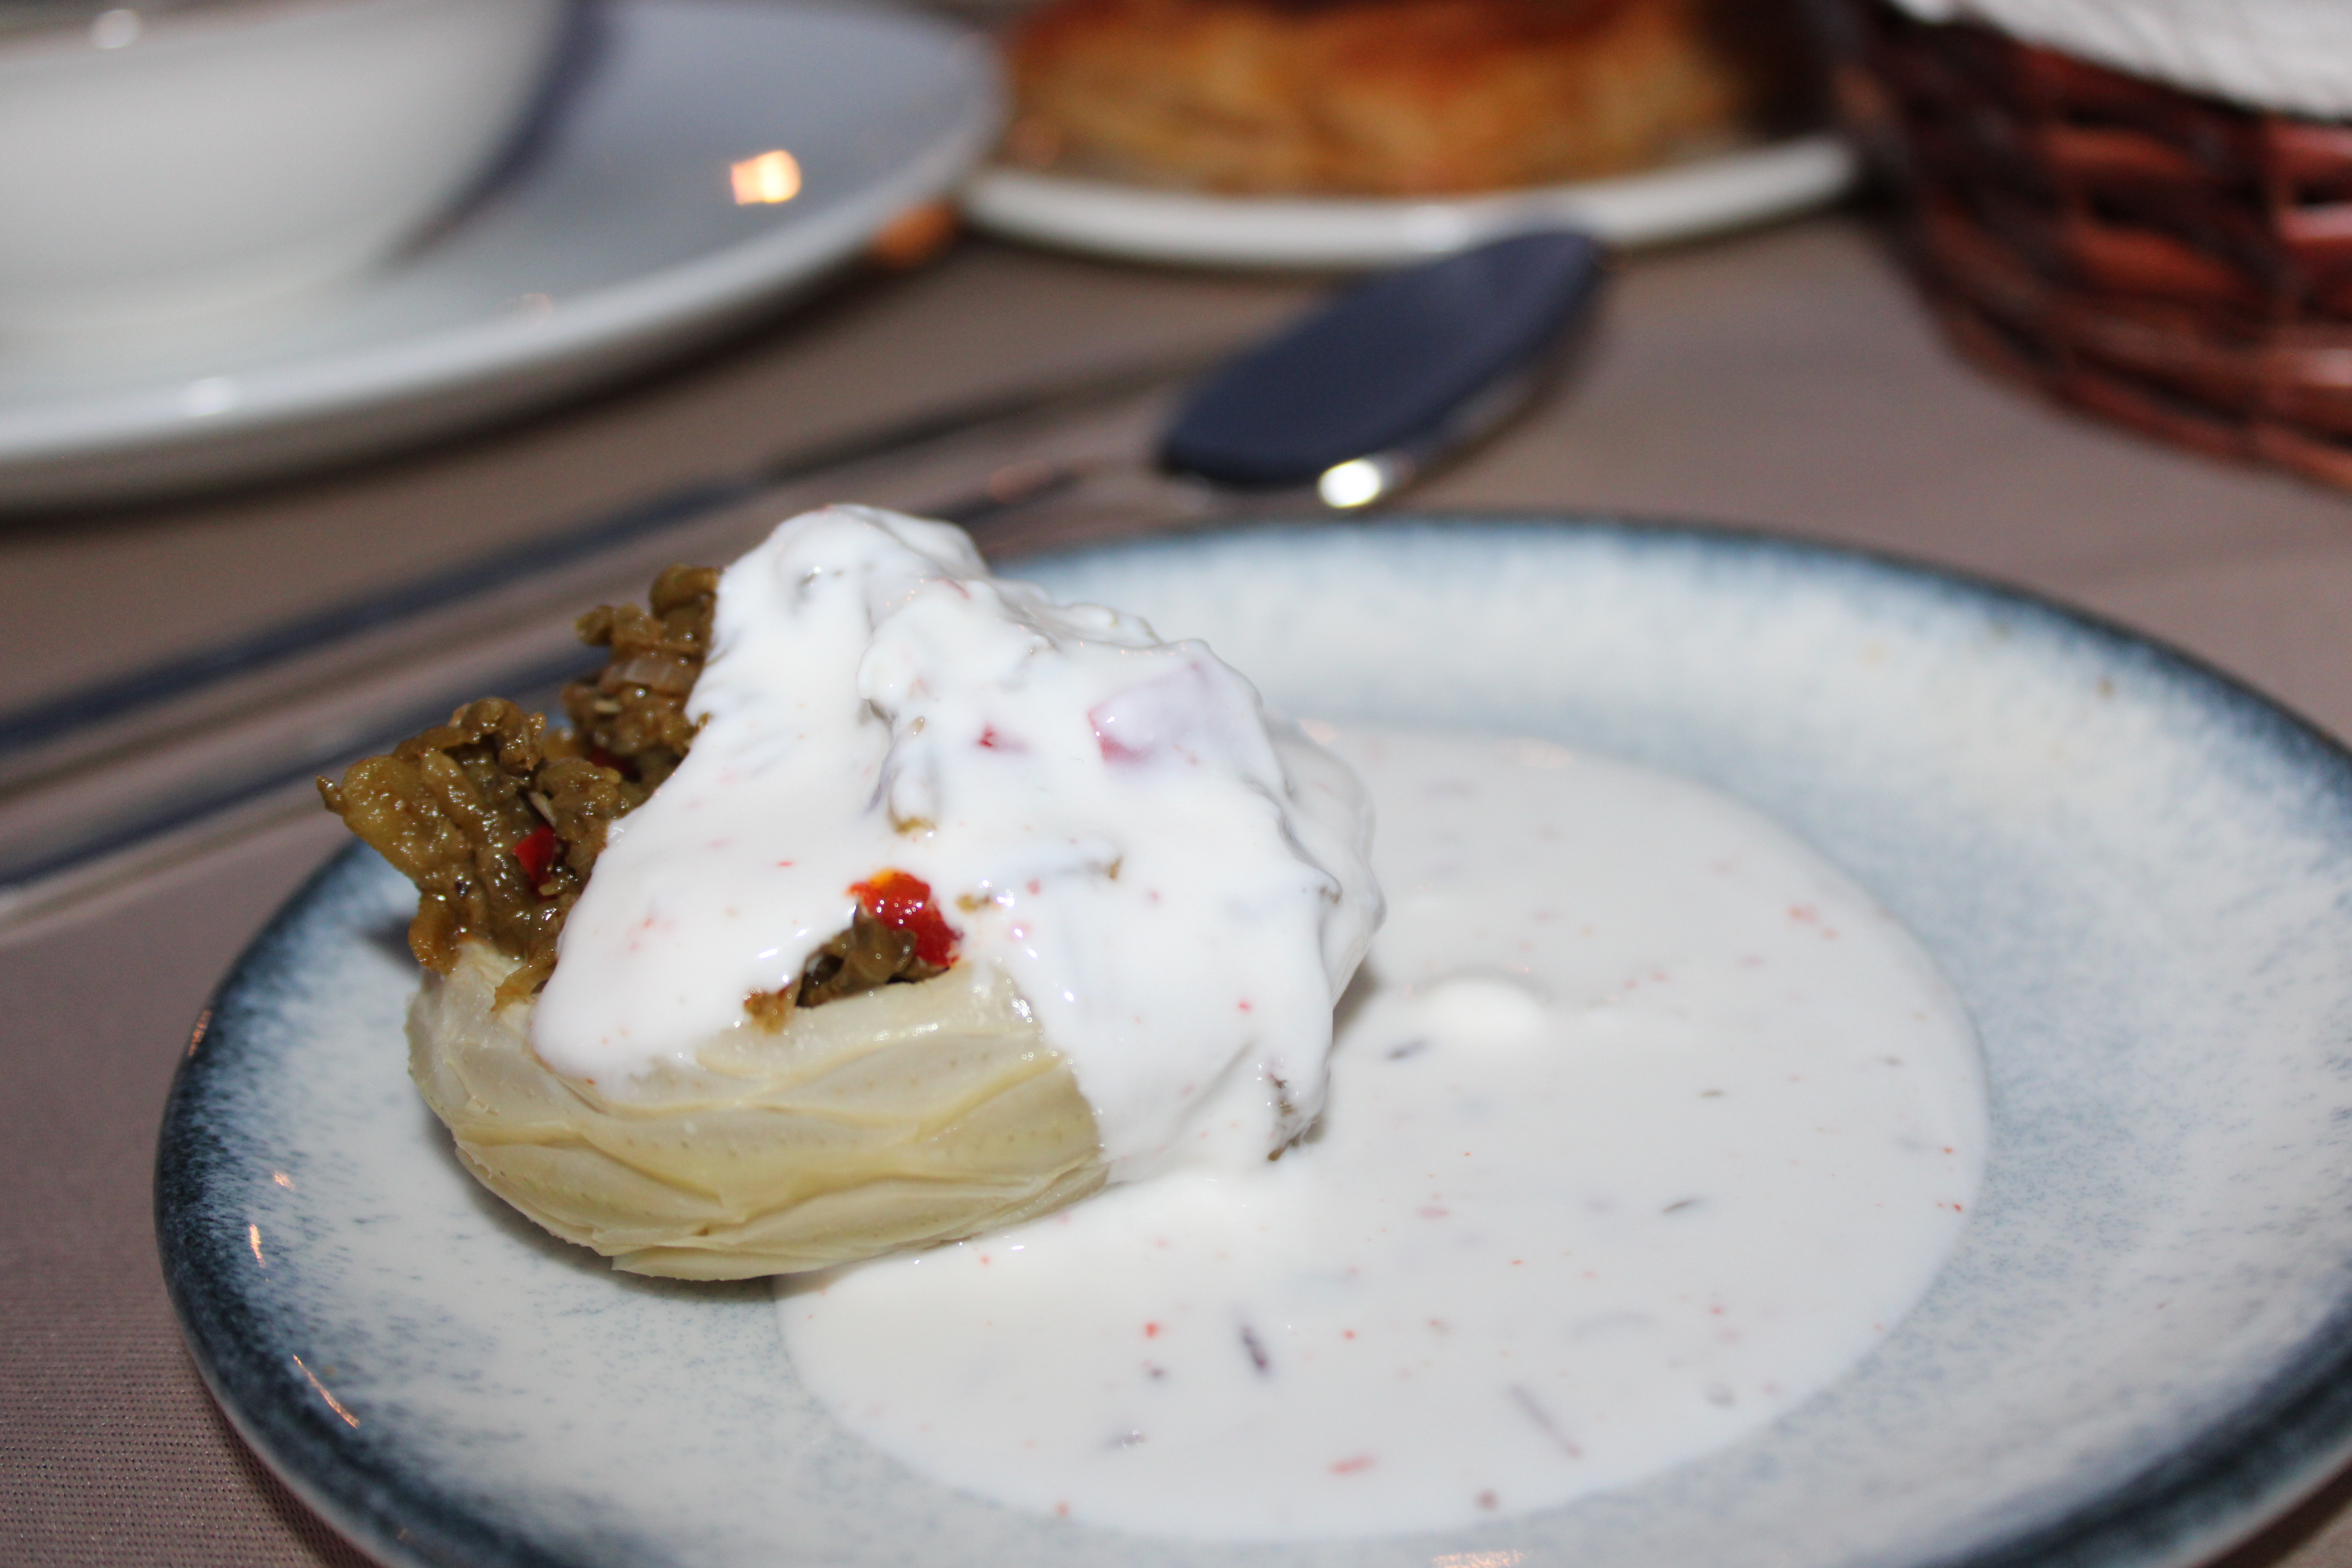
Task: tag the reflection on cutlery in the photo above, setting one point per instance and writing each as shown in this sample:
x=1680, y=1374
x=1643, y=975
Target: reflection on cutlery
x=1335, y=414
x=1356, y=401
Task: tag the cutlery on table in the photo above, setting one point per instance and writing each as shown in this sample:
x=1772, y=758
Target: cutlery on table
x=1348, y=405
x=1337, y=413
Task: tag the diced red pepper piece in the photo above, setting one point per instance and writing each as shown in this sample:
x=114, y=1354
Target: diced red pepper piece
x=903, y=902
x=536, y=852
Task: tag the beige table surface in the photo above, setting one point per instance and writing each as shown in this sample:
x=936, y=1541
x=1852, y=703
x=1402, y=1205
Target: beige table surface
x=1786, y=380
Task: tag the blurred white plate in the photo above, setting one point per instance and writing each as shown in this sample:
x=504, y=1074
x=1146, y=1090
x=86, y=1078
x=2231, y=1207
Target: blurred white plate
x=1684, y=202
x=616, y=240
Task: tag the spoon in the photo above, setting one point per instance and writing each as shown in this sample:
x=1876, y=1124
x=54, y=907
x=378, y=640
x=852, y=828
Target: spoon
x=1362, y=396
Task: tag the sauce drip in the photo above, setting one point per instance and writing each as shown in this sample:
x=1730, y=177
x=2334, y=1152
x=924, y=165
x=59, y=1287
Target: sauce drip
x=1645, y=1124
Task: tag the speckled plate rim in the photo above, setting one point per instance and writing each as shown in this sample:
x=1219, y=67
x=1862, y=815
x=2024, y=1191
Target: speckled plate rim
x=2282, y=1441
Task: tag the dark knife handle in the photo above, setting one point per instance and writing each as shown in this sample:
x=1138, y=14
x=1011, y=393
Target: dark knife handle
x=1405, y=366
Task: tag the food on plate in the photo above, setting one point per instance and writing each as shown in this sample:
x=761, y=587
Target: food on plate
x=498, y=820
x=1393, y=98
x=870, y=902
x=1648, y=1125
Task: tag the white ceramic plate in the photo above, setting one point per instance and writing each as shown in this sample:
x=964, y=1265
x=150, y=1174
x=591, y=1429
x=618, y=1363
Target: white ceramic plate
x=1685, y=202
x=616, y=240
x=2138, y=875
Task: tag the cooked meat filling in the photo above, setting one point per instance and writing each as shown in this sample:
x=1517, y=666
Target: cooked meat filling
x=632, y=717
x=498, y=821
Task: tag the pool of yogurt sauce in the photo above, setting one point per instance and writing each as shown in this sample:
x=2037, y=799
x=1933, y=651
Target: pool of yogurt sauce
x=1645, y=1124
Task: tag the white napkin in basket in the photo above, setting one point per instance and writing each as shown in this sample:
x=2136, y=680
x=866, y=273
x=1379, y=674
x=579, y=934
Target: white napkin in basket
x=2294, y=56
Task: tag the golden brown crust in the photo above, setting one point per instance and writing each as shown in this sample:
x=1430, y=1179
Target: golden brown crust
x=1386, y=97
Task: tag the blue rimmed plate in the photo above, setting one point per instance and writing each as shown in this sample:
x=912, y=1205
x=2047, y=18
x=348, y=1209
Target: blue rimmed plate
x=2138, y=874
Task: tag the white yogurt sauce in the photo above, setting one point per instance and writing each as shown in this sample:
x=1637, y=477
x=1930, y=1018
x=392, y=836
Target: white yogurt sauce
x=1176, y=886
x=1649, y=1124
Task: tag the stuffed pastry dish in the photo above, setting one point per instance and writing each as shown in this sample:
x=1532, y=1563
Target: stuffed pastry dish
x=867, y=901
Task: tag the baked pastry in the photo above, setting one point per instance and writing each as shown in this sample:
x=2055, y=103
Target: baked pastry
x=871, y=901
x=896, y=1116
x=1390, y=98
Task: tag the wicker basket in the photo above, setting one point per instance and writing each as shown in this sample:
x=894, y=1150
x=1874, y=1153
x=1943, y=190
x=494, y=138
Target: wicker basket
x=2162, y=258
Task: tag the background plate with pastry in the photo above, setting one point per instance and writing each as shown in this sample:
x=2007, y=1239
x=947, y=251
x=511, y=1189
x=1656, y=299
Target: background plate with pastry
x=1322, y=132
